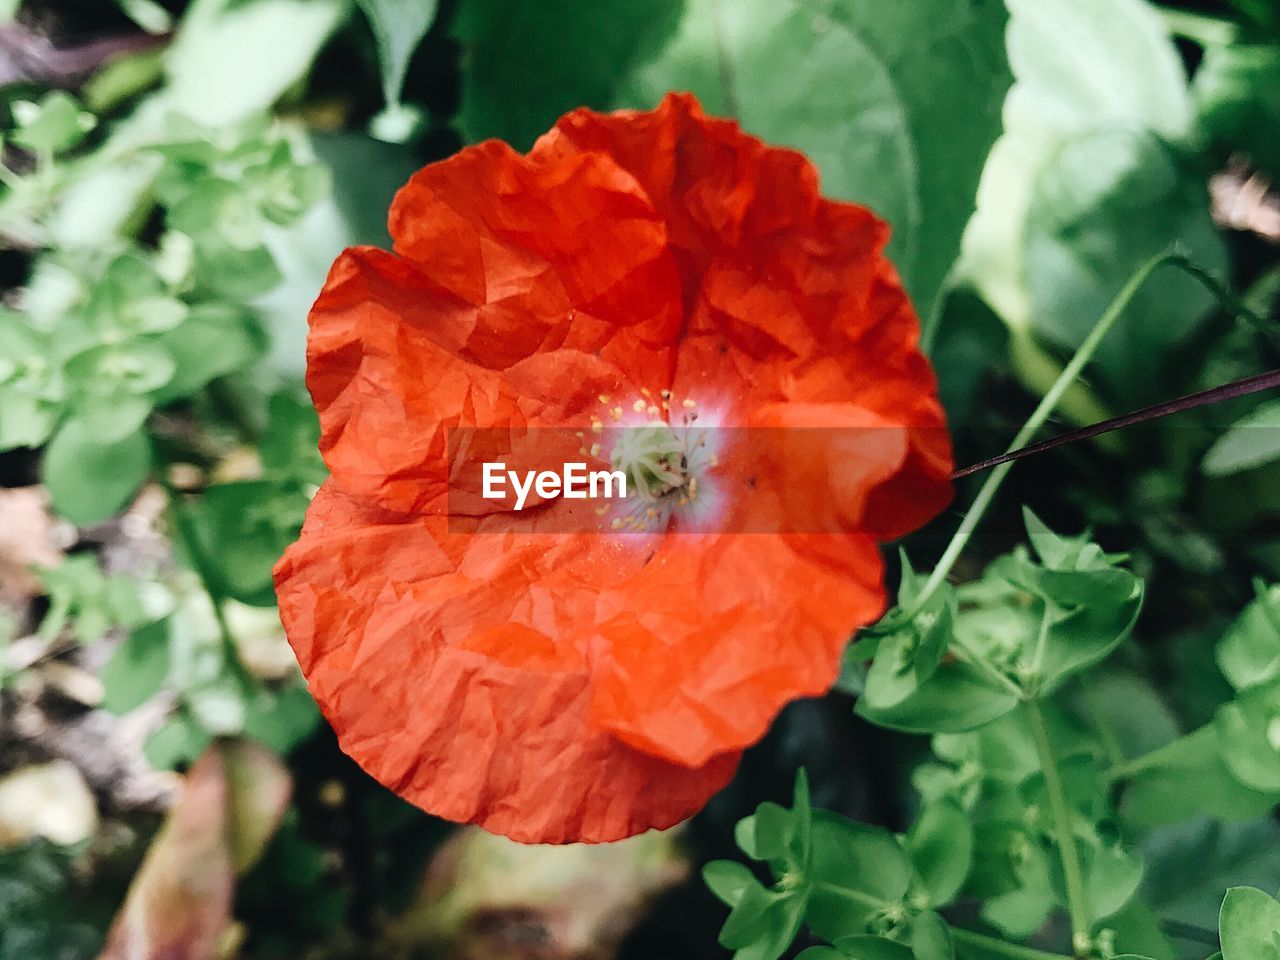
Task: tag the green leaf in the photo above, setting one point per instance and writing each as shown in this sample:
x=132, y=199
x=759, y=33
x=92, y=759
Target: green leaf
x=857, y=871
x=529, y=63
x=53, y=125
x=1249, y=653
x=958, y=697
x=1249, y=737
x=243, y=528
x=1249, y=925
x=1112, y=875
x=214, y=340
x=931, y=938
x=135, y=366
x=940, y=844
x=281, y=719
x=1190, y=864
x=727, y=879
x=1158, y=792
x=398, y=27
x=1251, y=442
x=176, y=742
x=1081, y=189
x=137, y=669
x=1101, y=207
x=880, y=104
x=89, y=480
x=1237, y=92
x=229, y=61
x=763, y=924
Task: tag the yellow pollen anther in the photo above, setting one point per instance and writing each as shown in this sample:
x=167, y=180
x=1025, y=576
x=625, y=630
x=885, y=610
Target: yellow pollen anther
x=603, y=398
x=638, y=406
x=595, y=450
x=596, y=426
x=617, y=522
x=644, y=392
x=616, y=413
x=651, y=513
x=665, y=394
x=653, y=411
x=688, y=404
x=579, y=434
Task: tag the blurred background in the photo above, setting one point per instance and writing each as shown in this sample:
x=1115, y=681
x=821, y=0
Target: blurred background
x=177, y=178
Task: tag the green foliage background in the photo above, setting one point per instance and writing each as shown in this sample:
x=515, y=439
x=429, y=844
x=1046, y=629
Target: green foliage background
x=1074, y=751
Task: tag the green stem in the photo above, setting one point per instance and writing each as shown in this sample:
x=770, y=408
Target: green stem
x=1077, y=902
x=1037, y=420
x=1000, y=948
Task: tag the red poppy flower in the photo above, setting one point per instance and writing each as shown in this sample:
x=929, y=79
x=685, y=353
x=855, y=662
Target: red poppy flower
x=575, y=685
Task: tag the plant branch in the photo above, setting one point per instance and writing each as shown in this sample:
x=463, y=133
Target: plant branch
x=1073, y=876
x=1048, y=403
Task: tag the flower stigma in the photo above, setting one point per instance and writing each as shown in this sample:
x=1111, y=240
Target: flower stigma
x=665, y=455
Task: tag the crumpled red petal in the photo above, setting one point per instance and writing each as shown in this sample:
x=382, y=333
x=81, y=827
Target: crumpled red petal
x=417, y=646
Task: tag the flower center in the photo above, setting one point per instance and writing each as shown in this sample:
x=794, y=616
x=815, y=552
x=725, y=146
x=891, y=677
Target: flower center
x=665, y=455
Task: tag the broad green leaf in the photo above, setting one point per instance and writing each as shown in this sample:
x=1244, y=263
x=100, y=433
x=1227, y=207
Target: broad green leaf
x=940, y=844
x=137, y=669
x=1102, y=206
x=54, y=124
x=1190, y=865
x=89, y=480
x=1237, y=91
x=1249, y=737
x=243, y=529
x=1251, y=442
x=763, y=924
x=931, y=938
x=136, y=366
x=1249, y=925
x=1112, y=875
x=727, y=879
x=857, y=870
x=1158, y=792
x=398, y=26
x=214, y=340
x=179, y=740
x=1249, y=653
x=1082, y=189
x=870, y=96
x=280, y=719
x=232, y=60
x=528, y=63
x=958, y=697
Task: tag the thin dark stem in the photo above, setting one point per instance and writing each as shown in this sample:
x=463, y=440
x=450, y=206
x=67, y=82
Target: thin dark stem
x=1229, y=391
